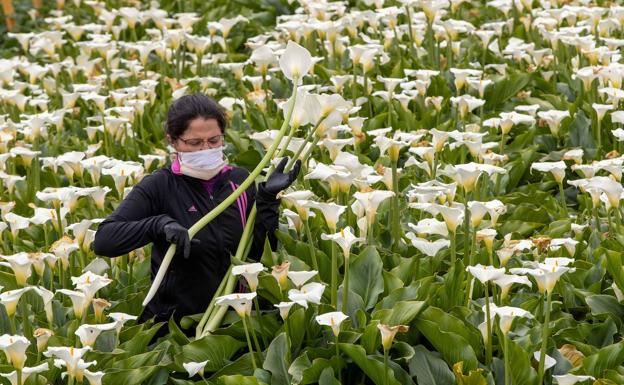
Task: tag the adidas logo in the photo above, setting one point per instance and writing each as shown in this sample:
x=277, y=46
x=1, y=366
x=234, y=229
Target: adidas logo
x=192, y=209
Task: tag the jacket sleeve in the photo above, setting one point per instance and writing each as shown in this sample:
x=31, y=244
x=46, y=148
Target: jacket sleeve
x=137, y=221
x=266, y=222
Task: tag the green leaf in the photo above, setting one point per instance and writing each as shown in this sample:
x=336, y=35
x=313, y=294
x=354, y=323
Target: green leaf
x=217, y=349
x=238, y=380
x=402, y=313
x=327, y=377
x=605, y=304
x=520, y=364
x=503, y=90
x=129, y=376
x=454, y=347
x=429, y=368
x=366, y=278
x=609, y=357
x=276, y=360
x=450, y=323
x=580, y=132
x=372, y=368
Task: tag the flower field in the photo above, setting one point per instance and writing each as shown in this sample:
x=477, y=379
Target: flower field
x=456, y=219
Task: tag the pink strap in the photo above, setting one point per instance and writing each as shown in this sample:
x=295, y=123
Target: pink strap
x=175, y=166
x=241, y=202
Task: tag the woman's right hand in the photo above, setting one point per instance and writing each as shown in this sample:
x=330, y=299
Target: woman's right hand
x=176, y=233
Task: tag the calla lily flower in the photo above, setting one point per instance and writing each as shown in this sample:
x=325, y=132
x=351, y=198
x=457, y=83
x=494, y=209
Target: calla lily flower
x=507, y=314
x=331, y=212
x=89, y=333
x=284, y=309
x=15, y=349
x=571, y=379
x=94, y=378
x=194, y=368
x=26, y=373
x=241, y=302
x=333, y=320
x=345, y=239
x=549, y=362
x=299, y=278
x=553, y=118
x=485, y=273
x=121, y=319
x=611, y=188
x=429, y=248
x=388, y=333
x=42, y=335
x=370, y=201
x=295, y=62
x=280, y=272
x=557, y=169
x=250, y=271
x=308, y=293
x=10, y=299
x=545, y=275
x=71, y=358
x=79, y=301
x=46, y=296
x=506, y=281
x=21, y=266
x=89, y=283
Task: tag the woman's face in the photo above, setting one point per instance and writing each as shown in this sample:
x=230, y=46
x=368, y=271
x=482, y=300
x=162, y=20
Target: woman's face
x=200, y=135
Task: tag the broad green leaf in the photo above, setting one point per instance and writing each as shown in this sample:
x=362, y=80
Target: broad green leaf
x=276, y=360
x=450, y=323
x=238, y=380
x=372, y=368
x=608, y=357
x=501, y=91
x=605, y=304
x=402, y=313
x=129, y=376
x=454, y=347
x=429, y=368
x=217, y=349
x=520, y=365
x=365, y=276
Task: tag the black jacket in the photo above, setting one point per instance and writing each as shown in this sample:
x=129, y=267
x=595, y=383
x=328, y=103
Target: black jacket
x=162, y=196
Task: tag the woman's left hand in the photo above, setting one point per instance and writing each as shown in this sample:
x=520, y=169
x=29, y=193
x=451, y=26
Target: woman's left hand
x=279, y=180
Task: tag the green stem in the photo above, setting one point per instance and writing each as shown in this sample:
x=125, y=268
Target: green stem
x=292, y=160
x=453, y=251
x=540, y=370
x=211, y=305
x=396, y=225
x=507, y=363
x=260, y=322
x=345, y=286
x=334, y=276
x=385, y=367
x=254, y=336
x=562, y=198
x=488, y=346
x=251, y=351
x=311, y=245
x=226, y=203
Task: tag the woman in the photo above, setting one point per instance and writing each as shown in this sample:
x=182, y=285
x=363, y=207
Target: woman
x=163, y=205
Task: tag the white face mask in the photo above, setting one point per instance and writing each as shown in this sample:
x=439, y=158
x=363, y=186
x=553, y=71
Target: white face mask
x=203, y=164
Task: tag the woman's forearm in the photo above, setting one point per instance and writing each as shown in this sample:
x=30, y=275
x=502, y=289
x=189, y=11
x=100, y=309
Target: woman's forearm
x=115, y=237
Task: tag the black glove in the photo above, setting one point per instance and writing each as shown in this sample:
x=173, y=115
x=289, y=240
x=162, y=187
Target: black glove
x=279, y=180
x=176, y=233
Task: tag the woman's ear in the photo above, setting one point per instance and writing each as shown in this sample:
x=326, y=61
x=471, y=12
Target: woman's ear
x=171, y=142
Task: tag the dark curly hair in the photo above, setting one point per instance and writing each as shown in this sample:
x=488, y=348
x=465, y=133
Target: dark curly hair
x=189, y=107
